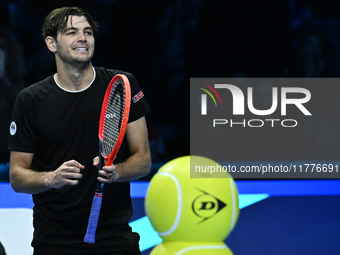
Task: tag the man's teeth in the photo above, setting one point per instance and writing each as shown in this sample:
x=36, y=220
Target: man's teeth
x=85, y=49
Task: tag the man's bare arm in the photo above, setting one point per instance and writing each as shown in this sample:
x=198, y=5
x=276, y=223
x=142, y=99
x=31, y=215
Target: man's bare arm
x=25, y=180
x=138, y=164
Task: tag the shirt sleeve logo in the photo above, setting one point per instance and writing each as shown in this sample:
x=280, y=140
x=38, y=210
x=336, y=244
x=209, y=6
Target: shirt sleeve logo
x=138, y=97
x=13, y=128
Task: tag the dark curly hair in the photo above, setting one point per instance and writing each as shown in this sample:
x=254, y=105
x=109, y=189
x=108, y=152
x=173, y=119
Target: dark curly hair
x=56, y=21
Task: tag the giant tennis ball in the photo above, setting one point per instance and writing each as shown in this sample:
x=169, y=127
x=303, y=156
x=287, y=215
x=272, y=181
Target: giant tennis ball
x=191, y=248
x=187, y=209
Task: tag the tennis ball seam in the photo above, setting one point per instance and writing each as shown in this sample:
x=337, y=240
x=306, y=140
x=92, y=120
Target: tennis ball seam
x=179, y=208
x=201, y=247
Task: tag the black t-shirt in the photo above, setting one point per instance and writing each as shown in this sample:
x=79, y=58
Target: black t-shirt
x=57, y=126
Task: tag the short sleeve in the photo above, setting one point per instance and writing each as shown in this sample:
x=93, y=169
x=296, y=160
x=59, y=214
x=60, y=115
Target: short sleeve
x=22, y=135
x=139, y=104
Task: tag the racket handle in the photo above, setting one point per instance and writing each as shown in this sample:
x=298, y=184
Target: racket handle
x=90, y=236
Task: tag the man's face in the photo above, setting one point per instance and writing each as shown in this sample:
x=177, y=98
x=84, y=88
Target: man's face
x=76, y=44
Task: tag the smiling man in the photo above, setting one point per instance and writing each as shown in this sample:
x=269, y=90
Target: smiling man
x=54, y=146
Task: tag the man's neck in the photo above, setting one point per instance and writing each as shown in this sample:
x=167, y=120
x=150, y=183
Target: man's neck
x=74, y=78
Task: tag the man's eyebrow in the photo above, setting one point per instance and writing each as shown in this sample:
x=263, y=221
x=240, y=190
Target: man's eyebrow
x=74, y=28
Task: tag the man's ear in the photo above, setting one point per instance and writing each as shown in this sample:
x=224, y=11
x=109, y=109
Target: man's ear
x=50, y=43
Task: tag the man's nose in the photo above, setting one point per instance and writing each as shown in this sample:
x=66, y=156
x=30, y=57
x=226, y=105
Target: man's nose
x=82, y=36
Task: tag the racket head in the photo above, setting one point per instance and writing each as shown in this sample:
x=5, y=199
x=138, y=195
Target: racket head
x=114, y=117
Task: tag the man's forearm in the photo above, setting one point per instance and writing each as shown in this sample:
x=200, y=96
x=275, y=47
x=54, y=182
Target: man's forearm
x=25, y=180
x=136, y=166
x=29, y=181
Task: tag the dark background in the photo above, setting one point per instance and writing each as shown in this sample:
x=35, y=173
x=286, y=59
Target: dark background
x=164, y=43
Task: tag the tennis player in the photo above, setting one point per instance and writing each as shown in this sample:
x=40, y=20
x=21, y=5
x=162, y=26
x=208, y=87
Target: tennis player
x=54, y=146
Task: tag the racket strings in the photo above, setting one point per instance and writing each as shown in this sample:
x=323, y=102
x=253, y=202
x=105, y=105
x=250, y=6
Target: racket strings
x=113, y=117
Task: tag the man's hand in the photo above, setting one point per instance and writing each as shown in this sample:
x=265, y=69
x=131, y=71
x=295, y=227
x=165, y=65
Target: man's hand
x=68, y=174
x=108, y=174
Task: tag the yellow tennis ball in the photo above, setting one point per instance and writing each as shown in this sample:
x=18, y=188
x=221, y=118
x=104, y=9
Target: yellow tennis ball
x=191, y=248
x=183, y=209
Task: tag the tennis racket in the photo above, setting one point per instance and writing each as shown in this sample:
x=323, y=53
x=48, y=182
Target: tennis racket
x=112, y=126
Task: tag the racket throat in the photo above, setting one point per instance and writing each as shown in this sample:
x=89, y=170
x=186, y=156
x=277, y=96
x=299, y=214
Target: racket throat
x=99, y=194
x=100, y=186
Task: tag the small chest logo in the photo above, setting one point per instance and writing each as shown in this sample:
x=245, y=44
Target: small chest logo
x=13, y=128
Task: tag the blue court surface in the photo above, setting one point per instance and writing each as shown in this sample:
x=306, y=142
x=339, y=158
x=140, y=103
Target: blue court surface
x=277, y=217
